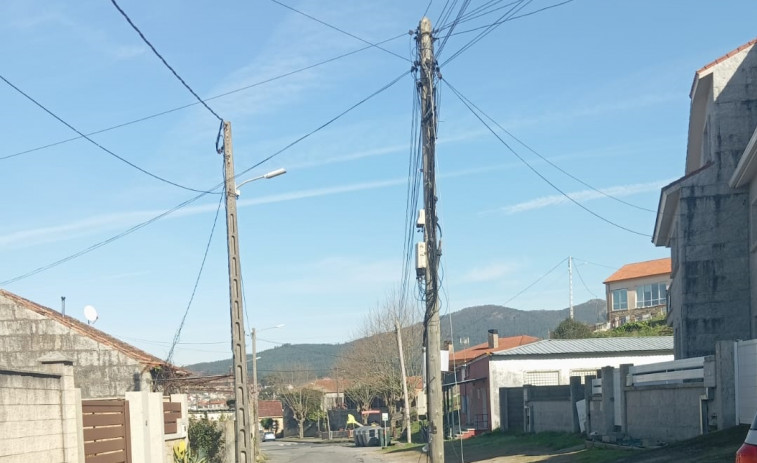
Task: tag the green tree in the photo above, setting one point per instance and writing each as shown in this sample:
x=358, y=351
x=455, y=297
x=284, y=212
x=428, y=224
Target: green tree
x=571, y=329
x=267, y=423
x=206, y=439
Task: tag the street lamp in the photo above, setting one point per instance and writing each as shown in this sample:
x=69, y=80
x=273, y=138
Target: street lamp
x=255, y=392
x=273, y=173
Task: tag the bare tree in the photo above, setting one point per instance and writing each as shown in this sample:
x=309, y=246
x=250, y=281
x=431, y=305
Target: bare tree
x=374, y=363
x=296, y=394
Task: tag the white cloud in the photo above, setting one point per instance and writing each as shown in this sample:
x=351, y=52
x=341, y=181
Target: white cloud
x=582, y=196
x=102, y=223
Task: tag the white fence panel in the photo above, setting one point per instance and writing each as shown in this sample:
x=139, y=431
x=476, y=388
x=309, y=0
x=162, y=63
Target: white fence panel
x=675, y=371
x=746, y=380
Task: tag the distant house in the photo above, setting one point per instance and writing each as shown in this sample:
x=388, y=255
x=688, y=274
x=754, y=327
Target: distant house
x=708, y=217
x=468, y=389
x=333, y=391
x=637, y=291
x=553, y=362
x=103, y=365
x=272, y=409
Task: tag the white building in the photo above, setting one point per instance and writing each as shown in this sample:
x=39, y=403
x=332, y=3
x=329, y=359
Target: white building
x=552, y=362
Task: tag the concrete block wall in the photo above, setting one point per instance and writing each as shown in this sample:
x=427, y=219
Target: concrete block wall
x=556, y=415
x=666, y=413
x=40, y=415
x=99, y=370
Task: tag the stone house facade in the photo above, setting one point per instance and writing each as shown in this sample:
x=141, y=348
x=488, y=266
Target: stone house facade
x=703, y=217
x=103, y=366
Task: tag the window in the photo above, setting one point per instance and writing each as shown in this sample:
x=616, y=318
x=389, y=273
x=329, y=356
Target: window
x=651, y=295
x=619, y=299
x=583, y=373
x=541, y=378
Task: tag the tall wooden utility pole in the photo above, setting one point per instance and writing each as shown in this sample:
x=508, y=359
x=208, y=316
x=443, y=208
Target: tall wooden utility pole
x=239, y=353
x=404, y=381
x=431, y=326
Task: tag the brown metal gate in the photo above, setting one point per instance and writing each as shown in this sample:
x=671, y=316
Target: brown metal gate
x=106, y=431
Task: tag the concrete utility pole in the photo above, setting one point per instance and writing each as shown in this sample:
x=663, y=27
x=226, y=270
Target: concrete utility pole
x=431, y=323
x=404, y=382
x=570, y=282
x=255, y=397
x=239, y=353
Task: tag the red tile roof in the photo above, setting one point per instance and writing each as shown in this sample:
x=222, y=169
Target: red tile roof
x=727, y=55
x=330, y=385
x=641, y=269
x=270, y=409
x=466, y=355
x=89, y=331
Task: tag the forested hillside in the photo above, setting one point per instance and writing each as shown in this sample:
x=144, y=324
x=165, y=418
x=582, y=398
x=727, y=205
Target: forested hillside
x=469, y=325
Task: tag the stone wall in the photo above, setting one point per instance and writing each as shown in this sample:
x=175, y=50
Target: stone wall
x=710, y=292
x=99, y=370
x=40, y=416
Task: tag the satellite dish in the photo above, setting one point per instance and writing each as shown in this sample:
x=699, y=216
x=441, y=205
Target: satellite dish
x=90, y=314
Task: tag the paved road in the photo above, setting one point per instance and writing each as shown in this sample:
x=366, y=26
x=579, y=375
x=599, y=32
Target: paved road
x=296, y=452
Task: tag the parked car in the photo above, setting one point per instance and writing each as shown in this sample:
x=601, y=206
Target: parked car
x=747, y=453
x=269, y=436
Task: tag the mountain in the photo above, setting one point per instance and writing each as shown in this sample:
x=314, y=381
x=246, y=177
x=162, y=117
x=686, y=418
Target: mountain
x=470, y=327
x=317, y=358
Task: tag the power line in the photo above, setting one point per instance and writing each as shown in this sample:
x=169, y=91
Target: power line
x=498, y=22
x=102, y=243
x=191, y=200
x=197, y=282
x=339, y=30
x=479, y=11
x=452, y=26
x=488, y=29
x=594, y=263
x=558, y=167
x=327, y=123
x=82, y=135
x=537, y=280
x=469, y=105
x=220, y=95
x=144, y=39
x=584, y=283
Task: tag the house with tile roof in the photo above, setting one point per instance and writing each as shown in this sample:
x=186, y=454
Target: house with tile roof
x=333, y=391
x=103, y=365
x=553, y=362
x=273, y=410
x=708, y=217
x=637, y=291
x=469, y=382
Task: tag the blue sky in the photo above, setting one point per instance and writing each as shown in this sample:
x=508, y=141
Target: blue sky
x=599, y=88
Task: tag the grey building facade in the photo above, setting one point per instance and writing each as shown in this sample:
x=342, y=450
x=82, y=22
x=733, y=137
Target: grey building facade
x=103, y=366
x=704, y=219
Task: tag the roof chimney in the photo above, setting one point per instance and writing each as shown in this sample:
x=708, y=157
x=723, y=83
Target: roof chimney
x=449, y=346
x=493, y=339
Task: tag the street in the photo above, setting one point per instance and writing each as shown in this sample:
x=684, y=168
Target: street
x=296, y=452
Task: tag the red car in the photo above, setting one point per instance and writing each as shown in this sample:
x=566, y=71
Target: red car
x=747, y=453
